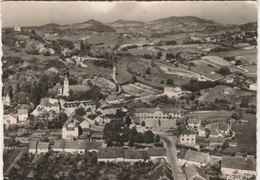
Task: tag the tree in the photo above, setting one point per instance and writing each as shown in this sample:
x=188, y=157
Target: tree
x=128, y=121
x=134, y=79
x=157, y=138
x=235, y=115
x=82, y=46
x=159, y=55
x=148, y=137
x=238, y=62
x=169, y=81
x=224, y=70
x=80, y=111
x=148, y=71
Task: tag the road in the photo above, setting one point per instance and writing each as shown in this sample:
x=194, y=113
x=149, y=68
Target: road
x=171, y=151
x=114, y=78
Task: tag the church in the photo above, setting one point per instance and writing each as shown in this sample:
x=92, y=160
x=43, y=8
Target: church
x=62, y=90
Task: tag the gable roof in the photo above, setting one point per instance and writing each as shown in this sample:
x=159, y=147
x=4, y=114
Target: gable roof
x=74, y=145
x=162, y=170
x=59, y=144
x=110, y=152
x=22, y=111
x=194, y=171
x=135, y=154
x=33, y=145
x=58, y=86
x=238, y=163
x=43, y=145
x=194, y=156
x=76, y=104
x=49, y=102
x=163, y=110
x=156, y=151
x=188, y=131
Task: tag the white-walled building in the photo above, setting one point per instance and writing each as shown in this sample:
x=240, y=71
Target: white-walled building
x=202, y=131
x=157, y=153
x=188, y=137
x=10, y=119
x=175, y=92
x=22, y=115
x=188, y=157
x=70, y=129
x=253, y=87
x=194, y=123
x=158, y=117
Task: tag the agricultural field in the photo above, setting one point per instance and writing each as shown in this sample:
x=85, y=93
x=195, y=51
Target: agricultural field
x=211, y=116
x=245, y=136
x=138, y=89
x=249, y=54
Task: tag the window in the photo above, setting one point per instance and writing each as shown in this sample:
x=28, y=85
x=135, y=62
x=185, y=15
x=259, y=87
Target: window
x=187, y=139
x=192, y=139
x=183, y=139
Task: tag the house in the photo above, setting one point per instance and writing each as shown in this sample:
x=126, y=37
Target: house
x=216, y=141
x=157, y=153
x=111, y=154
x=71, y=106
x=70, y=129
x=99, y=120
x=47, y=105
x=6, y=100
x=10, y=119
x=162, y=171
x=17, y=28
x=57, y=89
x=38, y=147
x=175, y=92
x=219, y=129
x=33, y=147
x=188, y=137
x=58, y=145
x=43, y=147
x=194, y=123
x=134, y=155
x=253, y=87
x=228, y=91
x=229, y=80
x=97, y=136
x=243, y=122
x=238, y=166
x=202, y=131
x=84, y=124
x=158, y=117
x=22, y=115
x=75, y=147
x=189, y=157
x=193, y=172
x=93, y=146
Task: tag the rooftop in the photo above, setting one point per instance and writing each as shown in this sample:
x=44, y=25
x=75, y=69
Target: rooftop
x=194, y=120
x=163, y=169
x=194, y=170
x=157, y=151
x=43, y=145
x=194, y=156
x=135, y=154
x=110, y=152
x=22, y=111
x=188, y=131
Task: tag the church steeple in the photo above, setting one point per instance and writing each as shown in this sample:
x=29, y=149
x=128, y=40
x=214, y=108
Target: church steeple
x=66, y=86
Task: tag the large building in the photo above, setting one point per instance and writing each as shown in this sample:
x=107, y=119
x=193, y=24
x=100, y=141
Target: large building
x=158, y=117
x=70, y=129
x=23, y=115
x=189, y=157
x=71, y=106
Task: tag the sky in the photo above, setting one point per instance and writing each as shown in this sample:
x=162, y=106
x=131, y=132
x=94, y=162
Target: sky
x=40, y=13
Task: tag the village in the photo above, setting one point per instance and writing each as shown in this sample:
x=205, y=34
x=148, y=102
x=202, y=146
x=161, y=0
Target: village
x=124, y=100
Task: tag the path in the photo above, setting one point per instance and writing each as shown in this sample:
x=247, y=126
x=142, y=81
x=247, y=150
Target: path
x=171, y=151
x=116, y=82
x=233, y=133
